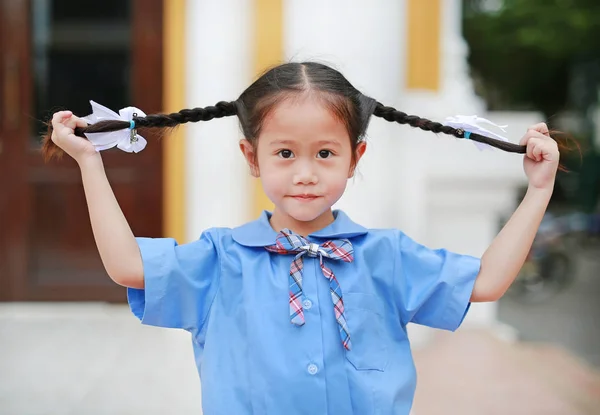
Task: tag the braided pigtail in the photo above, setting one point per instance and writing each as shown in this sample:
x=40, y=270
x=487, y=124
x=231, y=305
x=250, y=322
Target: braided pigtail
x=220, y=110
x=393, y=115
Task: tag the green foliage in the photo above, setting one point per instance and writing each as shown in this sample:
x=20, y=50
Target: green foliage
x=523, y=55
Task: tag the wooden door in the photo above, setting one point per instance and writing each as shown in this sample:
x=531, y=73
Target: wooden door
x=59, y=54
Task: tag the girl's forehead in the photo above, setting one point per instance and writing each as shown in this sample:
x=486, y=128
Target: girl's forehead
x=302, y=117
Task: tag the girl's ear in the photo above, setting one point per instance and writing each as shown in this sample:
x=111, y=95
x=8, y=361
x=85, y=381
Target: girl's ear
x=360, y=151
x=250, y=155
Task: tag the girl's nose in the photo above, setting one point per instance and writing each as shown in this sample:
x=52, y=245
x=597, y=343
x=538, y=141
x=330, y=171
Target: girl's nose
x=305, y=175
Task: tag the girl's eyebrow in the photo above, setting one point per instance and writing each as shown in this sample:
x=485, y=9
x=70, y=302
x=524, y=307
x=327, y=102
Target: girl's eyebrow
x=329, y=143
x=320, y=143
x=281, y=142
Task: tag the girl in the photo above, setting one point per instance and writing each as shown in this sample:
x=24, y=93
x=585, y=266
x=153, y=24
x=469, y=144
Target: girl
x=303, y=311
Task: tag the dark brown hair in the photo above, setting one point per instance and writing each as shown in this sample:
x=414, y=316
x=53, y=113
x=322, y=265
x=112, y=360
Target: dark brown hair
x=351, y=106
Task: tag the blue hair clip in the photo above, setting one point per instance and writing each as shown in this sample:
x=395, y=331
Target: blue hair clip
x=133, y=133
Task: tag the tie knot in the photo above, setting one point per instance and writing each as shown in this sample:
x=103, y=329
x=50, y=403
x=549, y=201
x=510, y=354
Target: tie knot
x=288, y=242
x=312, y=249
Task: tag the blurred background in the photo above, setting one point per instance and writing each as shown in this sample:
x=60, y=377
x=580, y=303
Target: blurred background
x=68, y=344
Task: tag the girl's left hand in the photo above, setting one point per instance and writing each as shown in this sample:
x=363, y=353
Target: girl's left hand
x=542, y=157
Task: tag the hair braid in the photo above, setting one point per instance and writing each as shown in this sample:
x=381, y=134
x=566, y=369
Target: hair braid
x=220, y=110
x=393, y=115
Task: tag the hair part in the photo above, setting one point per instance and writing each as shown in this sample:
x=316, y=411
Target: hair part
x=301, y=81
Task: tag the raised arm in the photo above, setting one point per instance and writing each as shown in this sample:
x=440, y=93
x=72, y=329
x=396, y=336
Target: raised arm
x=502, y=261
x=116, y=243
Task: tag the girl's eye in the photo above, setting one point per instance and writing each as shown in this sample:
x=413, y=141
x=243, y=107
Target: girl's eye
x=324, y=154
x=286, y=154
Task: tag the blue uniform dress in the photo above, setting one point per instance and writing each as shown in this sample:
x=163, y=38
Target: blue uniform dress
x=232, y=295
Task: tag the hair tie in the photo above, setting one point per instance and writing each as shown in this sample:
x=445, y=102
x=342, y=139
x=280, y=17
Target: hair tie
x=468, y=124
x=125, y=139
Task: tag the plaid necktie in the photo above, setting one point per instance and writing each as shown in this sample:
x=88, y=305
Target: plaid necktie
x=340, y=249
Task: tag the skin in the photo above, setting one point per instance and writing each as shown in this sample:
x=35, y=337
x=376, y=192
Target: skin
x=304, y=159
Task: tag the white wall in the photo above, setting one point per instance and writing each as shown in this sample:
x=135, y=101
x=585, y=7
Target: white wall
x=365, y=43
x=219, y=57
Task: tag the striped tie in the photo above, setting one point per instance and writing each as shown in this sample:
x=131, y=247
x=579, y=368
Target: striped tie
x=339, y=249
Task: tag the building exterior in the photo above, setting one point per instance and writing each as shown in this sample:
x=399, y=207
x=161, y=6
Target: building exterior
x=181, y=54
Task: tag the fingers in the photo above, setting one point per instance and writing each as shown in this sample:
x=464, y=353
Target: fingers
x=63, y=124
x=535, y=149
x=538, y=130
x=540, y=146
x=60, y=116
x=531, y=135
x=73, y=122
x=68, y=119
x=541, y=128
x=81, y=123
x=60, y=119
x=532, y=148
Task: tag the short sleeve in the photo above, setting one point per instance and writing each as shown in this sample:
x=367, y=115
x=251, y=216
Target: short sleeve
x=434, y=287
x=180, y=282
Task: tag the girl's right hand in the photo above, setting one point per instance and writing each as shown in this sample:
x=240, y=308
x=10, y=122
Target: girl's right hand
x=63, y=135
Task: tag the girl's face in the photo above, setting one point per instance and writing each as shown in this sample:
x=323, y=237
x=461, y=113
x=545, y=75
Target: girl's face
x=304, y=160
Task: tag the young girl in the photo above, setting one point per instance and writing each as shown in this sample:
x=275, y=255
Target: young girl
x=302, y=311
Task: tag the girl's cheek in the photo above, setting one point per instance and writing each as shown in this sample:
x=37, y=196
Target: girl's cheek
x=273, y=178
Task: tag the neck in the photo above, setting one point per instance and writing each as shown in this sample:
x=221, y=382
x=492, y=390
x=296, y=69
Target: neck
x=280, y=220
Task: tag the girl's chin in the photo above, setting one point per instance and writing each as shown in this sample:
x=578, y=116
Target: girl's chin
x=305, y=212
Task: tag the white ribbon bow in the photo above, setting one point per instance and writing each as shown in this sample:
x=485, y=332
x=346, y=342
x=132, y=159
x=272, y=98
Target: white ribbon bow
x=127, y=140
x=469, y=123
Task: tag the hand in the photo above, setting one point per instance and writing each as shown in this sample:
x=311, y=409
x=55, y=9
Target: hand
x=541, y=160
x=63, y=135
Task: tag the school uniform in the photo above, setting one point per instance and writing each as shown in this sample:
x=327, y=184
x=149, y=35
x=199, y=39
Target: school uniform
x=275, y=333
